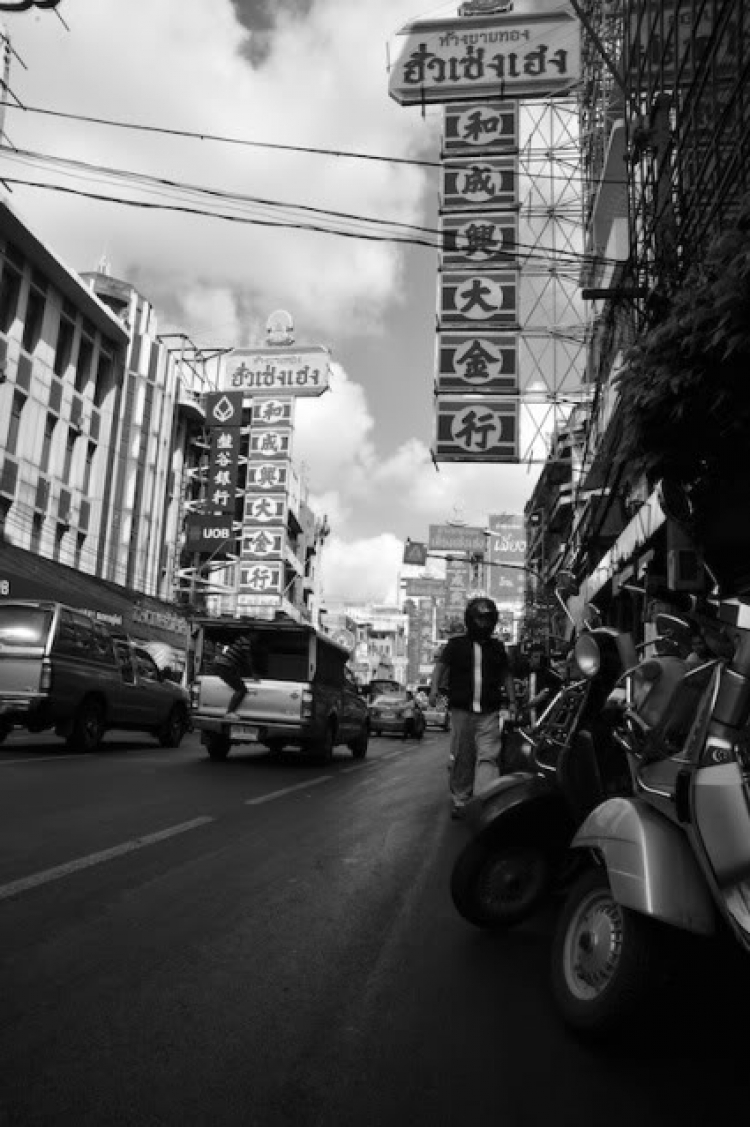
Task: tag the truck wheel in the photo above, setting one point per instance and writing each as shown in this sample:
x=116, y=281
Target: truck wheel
x=173, y=729
x=88, y=727
x=359, y=746
x=217, y=746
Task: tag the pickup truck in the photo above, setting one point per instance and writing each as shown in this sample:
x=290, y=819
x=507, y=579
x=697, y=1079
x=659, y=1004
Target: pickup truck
x=62, y=669
x=305, y=698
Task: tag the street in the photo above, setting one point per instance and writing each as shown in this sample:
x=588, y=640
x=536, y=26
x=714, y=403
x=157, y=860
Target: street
x=268, y=942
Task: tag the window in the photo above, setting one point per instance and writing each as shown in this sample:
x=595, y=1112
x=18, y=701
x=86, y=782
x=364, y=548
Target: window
x=104, y=370
x=37, y=523
x=64, y=346
x=70, y=443
x=90, y=452
x=49, y=429
x=80, y=541
x=34, y=320
x=23, y=626
x=66, y=639
x=146, y=666
x=85, y=356
x=10, y=288
x=19, y=401
x=122, y=655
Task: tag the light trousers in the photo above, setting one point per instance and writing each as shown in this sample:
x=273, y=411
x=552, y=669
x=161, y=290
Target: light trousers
x=475, y=751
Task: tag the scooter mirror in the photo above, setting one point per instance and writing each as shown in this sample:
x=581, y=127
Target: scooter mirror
x=675, y=503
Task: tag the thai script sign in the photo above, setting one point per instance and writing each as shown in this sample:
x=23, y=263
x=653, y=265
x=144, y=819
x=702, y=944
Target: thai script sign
x=460, y=59
x=491, y=182
x=478, y=129
x=424, y=588
x=264, y=510
x=489, y=299
x=507, y=545
x=479, y=430
x=457, y=538
x=473, y=241
x=163, y=619
x=470, y=364
x=290, y=371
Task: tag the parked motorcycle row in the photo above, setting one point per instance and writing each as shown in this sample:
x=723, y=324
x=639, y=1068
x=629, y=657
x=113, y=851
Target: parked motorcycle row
x=629, y=801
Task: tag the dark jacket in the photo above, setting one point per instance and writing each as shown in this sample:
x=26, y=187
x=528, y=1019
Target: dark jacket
x=240, y=656
x=458, y=656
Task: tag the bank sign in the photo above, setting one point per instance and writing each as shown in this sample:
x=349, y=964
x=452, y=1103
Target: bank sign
x=506, y=55
x=288, y=371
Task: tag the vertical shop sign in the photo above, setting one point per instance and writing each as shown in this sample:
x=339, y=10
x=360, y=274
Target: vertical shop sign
x=486, y=127
x=469, y=364
x=486, y=182
x=224, y=419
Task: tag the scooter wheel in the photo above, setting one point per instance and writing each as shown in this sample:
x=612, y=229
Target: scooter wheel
x=606, y=960
x=499, y=885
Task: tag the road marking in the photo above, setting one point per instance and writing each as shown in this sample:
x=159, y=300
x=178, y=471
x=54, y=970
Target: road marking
x=43, y=759
x=286, y=790
x=47, y=875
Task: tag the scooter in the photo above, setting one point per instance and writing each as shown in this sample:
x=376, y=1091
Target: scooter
x=675, y=855
x=522, y=826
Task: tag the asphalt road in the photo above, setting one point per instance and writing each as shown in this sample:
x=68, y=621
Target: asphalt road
x=264, y=942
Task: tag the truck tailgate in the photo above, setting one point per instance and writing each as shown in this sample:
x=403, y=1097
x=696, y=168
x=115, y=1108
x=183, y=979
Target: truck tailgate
x=266, y=702
x=19, y=675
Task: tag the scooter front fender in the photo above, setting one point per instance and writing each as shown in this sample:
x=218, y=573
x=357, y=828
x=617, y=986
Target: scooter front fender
x=650, y=865
x=506, y=797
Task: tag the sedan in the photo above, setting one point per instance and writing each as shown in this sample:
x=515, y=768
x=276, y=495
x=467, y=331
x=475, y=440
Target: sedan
x=397, y=714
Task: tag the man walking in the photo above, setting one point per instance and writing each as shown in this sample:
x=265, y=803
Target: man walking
x=477, y=669
x=236, y=663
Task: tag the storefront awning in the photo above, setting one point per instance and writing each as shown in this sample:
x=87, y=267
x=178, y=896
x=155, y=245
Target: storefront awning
x=649, y=518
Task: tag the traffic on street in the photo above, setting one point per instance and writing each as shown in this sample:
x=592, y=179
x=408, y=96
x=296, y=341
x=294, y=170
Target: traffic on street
x=265, y=941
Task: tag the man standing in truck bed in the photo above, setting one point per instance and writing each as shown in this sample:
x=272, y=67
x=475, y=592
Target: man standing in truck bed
x=237, y=662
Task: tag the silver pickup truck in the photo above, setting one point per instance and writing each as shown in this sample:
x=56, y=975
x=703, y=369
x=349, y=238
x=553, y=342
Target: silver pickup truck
x=306, y=697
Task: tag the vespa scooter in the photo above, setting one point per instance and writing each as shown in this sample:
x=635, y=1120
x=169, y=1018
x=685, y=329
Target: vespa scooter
x=674, y=856
x=522, y=826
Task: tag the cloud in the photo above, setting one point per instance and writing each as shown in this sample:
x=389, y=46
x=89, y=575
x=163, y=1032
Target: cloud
x=323, y=85
x=361, y=571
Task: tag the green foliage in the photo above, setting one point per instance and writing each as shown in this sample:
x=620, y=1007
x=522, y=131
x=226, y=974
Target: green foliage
x=685, y=387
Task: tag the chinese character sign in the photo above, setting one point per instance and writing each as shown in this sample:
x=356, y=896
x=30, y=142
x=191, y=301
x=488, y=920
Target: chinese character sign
x=478, y=129
x=221, y=487
x=488, y=299
x=480, y=430
x=262, y=509
x=272, y=412
x=261, y=579
x=471, y=365
x=471, y=241
x=489, y=182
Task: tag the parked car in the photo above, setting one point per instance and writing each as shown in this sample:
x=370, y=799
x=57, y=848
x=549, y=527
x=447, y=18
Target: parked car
x=61, y=669
x=397, y=712
x=437, y=717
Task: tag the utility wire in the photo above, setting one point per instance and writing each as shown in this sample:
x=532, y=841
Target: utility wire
x=160, y=184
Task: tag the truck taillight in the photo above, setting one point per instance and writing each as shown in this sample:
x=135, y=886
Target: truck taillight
x=195, y=692
x=306, y=710
x=45, y=681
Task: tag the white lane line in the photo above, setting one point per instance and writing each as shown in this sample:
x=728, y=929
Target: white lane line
x=43, y=759
x=47, y=875
x=287, y=790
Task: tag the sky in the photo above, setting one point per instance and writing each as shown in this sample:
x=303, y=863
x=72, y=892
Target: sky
x=303, y=73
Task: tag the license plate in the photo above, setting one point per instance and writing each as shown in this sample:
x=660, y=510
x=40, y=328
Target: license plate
x=244, y=732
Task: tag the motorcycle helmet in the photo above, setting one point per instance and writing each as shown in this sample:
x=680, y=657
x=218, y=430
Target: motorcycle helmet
x=481, y=617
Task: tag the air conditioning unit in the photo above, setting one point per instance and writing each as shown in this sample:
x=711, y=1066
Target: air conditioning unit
x=684, y=570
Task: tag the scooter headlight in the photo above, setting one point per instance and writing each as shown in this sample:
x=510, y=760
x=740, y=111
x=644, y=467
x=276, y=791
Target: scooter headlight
x=587, y=656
